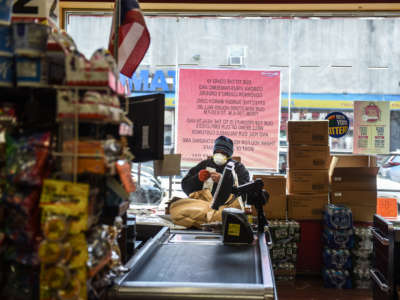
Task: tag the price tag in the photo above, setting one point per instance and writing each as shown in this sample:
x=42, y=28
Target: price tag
x=387, y=207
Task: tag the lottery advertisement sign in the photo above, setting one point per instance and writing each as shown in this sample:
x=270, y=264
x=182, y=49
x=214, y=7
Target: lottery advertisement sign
x=339, y=124
x=371, y=127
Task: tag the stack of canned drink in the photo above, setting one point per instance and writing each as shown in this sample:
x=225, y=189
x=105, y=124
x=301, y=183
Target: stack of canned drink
x=362, y=257
x=338, y=239
x=285, y=236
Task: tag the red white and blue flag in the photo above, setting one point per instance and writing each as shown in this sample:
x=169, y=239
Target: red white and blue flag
x=133, y=37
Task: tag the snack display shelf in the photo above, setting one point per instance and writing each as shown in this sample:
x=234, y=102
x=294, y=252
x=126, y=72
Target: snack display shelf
x=86, y=87
x=61, y=124
x=83, y=155
x=91, y=121
x=62, y=87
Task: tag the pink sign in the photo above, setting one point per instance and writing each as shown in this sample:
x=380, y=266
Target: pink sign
x=242, y=105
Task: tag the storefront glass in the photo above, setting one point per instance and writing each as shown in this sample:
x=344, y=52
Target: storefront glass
x=326, y=64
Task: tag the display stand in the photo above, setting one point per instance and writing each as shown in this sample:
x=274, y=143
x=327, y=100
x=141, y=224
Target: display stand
x=64, y=130
x=65, y=178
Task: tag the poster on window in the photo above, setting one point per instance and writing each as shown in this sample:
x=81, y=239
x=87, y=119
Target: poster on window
x=243, y=105
x=371, y=127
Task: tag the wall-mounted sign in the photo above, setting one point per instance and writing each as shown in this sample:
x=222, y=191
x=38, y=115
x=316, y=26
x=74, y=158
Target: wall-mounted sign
x=243, y=105
x=338, y=124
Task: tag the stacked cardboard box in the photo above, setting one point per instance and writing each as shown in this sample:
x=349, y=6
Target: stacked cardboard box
x=276, y=187
x=353, y=183
x=309, y=160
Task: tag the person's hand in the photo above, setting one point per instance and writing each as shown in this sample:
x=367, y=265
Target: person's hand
x=215, y=176
x=204, y=175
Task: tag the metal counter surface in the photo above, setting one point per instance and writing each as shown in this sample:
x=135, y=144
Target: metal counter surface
x=189, y=265
x=184, y=262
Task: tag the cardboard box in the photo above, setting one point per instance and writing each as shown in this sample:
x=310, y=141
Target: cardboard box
x=343, y=161
x=353, y=172
x=308, y=181
x=169, y=166
x=308, y=132
x=347, y=179
x=276, y=207
x=362, y=203
x=306, y=206
x=303, y=157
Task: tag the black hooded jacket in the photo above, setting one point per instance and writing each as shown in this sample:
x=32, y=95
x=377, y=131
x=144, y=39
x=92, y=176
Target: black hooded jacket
x=191, y=182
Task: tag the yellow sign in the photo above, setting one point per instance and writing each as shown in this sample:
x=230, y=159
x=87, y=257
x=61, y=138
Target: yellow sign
x=234, y=229
x=66, y=194
x=337, y=130
x=328, y=104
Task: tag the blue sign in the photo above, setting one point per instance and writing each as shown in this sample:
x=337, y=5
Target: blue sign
x=140, y=82
x=339, y=124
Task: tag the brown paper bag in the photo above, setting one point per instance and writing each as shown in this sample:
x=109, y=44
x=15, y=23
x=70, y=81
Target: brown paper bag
x=196, y=210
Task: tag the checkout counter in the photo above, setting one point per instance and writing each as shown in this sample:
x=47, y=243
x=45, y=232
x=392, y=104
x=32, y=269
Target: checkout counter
x=197, y=265
x=185, y=264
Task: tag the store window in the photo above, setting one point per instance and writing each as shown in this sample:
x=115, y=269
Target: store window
x=90, y=31
x=326, y=63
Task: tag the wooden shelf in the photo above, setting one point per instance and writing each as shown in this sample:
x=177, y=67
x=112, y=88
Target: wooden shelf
x=91, y=121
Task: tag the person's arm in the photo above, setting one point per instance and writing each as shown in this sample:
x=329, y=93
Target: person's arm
x=191, y=182
x=242, y=173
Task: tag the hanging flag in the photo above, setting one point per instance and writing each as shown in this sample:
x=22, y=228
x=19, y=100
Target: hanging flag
x=133, y=37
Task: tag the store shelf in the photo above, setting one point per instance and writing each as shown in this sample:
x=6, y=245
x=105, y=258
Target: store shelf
x=26, y=88
x=87, y=87
x=91, y=121
x=81, y=155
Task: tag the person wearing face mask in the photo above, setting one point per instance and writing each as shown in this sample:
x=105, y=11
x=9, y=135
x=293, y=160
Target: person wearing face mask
x=207, y=173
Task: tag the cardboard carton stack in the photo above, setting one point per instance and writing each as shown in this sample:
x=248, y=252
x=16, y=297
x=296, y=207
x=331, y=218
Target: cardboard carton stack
x=309, y=159
x=276, y=187
x=285, y=234
x=353, y=183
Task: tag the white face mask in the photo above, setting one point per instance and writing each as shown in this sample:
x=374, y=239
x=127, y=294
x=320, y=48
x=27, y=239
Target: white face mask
x=220, y=159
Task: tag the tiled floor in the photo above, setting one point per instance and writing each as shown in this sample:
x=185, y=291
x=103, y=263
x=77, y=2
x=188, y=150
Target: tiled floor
x=311, y=288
